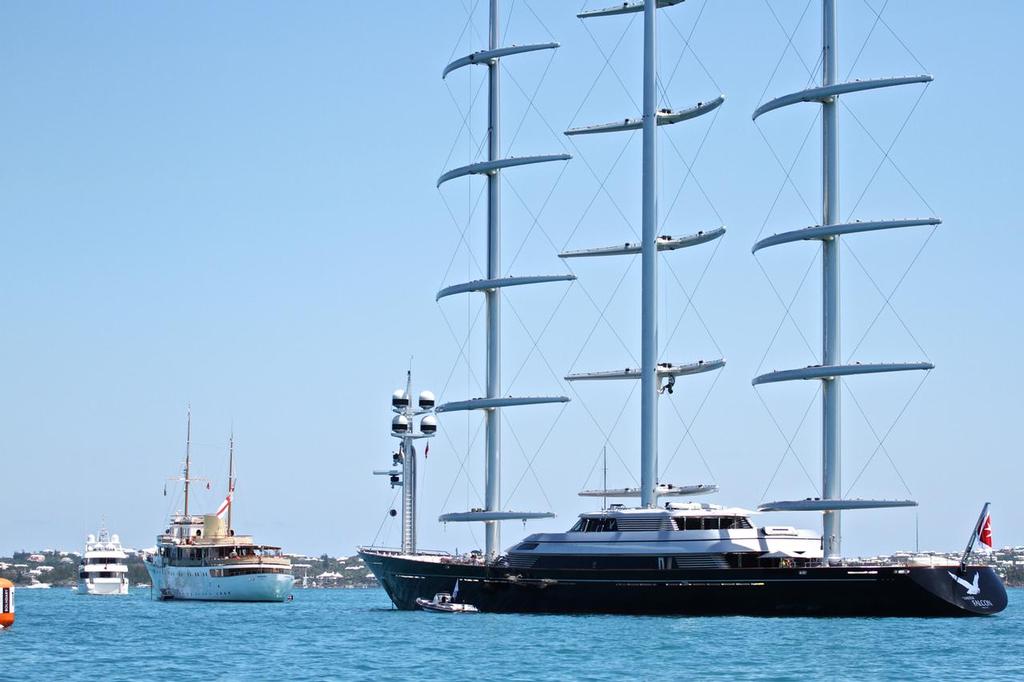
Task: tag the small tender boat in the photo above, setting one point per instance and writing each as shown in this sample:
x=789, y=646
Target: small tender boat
x=442, y=603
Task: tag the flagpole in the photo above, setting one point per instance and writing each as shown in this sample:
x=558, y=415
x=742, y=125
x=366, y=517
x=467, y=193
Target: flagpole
x=231, y=476
x=974, y=536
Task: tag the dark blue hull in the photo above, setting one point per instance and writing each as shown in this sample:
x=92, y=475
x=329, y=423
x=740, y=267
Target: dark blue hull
x=822, y=591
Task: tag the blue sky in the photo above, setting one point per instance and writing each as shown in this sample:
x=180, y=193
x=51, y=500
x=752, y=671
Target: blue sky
x=233, y=206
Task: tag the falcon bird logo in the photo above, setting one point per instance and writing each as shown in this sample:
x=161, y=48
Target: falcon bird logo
x=972, y=588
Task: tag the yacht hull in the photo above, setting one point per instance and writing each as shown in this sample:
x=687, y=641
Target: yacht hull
x=823, y=591
x=196, y=583
x=103, y=586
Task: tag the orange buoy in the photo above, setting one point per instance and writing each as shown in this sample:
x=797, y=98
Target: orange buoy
x=6, y=603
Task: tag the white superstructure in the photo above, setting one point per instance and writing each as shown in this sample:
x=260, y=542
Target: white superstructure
x=682, y=535
x=104, y=568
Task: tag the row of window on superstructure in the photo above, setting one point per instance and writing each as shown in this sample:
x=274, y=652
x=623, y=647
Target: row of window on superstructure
x=609, y=524
x=103, y=560
x=248, y=570
x=206, y=553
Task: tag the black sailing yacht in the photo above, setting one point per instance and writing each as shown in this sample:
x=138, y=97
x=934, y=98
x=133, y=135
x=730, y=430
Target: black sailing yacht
x=687, y=557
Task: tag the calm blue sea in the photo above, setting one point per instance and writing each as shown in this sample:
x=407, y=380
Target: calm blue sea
x=354, y=635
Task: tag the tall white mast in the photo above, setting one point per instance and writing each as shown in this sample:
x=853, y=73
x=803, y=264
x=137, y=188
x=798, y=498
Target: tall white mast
x=409, y=477
x=649, y=270
x=651, y=372
x=828, y=232
x=186, y=476
x=492, y=417
x=831, y=459
x=188, y=454
x=231, y=476
x=491, y=287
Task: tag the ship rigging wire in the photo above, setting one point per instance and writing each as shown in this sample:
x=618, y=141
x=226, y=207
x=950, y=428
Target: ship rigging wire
x=886, y=298
x=689, y=295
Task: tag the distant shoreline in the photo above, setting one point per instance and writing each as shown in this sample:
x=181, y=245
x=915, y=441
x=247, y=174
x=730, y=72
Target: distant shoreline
x=57, y=568
x=60, y=568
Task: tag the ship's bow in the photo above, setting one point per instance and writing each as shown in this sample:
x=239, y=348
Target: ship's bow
x=408, y=576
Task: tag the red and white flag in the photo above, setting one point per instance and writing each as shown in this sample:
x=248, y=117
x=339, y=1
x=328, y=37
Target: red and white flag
x=225, y=505
x=426, y=451
x=985, y=533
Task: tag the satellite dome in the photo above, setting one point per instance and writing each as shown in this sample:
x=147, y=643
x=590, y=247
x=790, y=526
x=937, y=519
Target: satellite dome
x=429, y=424
x=427, y=400
x=399, y=424
x=400, y=399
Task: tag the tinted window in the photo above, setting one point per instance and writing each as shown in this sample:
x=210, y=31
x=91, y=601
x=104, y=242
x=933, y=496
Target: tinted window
x=712, y=523
x=689, y=523
x=595, y=525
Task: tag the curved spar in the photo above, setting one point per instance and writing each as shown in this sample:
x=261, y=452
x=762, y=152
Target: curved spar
x=497, y=283
x=829, y=231
x=817, y=504
x=488, y=167
x=664, y=117
x=491, y=403
x=486, y=56
x=829, y=371
x=825, y=93
x=624, y=8
x=664, y=369
x=663, y=243
x=663, y=490
x=481, y=515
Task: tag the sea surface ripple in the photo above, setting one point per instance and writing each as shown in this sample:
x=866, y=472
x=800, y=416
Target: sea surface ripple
x=355, y=635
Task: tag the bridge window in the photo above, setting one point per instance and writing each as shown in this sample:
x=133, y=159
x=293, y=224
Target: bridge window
x=603, y=524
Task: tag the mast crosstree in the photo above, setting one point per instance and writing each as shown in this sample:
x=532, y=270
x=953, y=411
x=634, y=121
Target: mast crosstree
x=186, y=476
x=832, y=368
x=491, y=286
x=651, y=372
